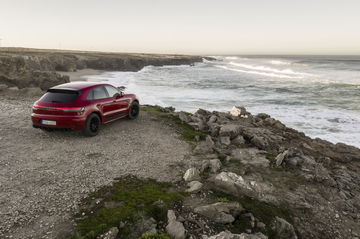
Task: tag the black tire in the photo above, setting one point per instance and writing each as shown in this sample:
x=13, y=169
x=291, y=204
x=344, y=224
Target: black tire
x=92, y=125
x=134, y=110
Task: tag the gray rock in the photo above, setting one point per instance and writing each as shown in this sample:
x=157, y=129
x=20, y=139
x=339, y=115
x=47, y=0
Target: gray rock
x=238, y=140
x=205, y=147
x=262, y=116
x=229, y=235
x=215, y=165
x=212, y=119
x=171, y=215
x=3, y=87
x=251, y=156
x=261, y=225
x=205, y=165
x=283, y=229
x=220, y=212
x=259, y=142
x=184, y=117
x=230, y=130
x=225, y=140
x=191, y=174
x=194, y=187
x=175, y=229
x=111, y=234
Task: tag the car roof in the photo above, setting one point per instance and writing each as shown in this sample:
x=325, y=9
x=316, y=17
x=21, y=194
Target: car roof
x=78, y=85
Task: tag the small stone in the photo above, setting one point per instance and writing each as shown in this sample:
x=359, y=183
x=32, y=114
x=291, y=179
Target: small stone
x=215, y=165
x=225, y=140
x=195, y=186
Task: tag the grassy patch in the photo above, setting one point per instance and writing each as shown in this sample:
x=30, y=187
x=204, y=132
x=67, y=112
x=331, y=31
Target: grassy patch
x=155, y=236
x=263, y=211
x=186, y=131
x=133, y=198
x=271, y=158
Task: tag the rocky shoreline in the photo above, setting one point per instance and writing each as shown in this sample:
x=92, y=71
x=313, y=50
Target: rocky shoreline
x=23, y=68
x=249, y=176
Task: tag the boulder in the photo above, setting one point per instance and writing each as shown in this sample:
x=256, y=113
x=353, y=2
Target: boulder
x=251, y=156
x=225, y=140
x=212, y=119
x=194, y=187
x=205, y=147
x=230, y=130
x=191, y=174
x=174, y=228
x=283, y=229
x=184, y=117
x=238, y=140
x=236, y=185
x=220, y=212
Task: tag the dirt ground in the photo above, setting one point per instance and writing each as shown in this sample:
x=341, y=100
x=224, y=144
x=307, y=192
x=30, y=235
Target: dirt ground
x=44, y=175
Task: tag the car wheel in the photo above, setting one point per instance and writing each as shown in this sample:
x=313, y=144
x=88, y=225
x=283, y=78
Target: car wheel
x=92, y=126
x=134, y=110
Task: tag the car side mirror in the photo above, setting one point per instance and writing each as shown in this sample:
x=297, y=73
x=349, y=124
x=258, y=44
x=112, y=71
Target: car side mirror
x=118, y=95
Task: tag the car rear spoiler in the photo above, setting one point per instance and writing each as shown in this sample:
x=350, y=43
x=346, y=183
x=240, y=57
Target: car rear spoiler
x=121, y=88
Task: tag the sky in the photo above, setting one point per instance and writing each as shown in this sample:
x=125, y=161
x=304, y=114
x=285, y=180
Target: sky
x=211, y=27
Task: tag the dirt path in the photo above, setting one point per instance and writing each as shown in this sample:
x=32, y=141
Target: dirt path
x=44, y=175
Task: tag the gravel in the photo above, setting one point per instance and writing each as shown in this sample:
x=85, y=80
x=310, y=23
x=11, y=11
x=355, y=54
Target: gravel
x=44, y=175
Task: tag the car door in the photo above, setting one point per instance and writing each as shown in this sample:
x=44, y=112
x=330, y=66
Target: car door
x=118, y=109
x=102, y=100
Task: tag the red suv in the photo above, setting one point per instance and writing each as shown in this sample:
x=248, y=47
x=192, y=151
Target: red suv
x=83, y=106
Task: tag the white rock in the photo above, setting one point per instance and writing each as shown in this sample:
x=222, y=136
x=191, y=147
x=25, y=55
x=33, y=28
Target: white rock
x=191, y=174
x=235, y=111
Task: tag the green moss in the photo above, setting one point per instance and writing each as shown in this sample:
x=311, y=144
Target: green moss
x=135, y=198
x=222, y=199
x=271, y=157
x=263, y=211
x=155, y=236
x=186, y=131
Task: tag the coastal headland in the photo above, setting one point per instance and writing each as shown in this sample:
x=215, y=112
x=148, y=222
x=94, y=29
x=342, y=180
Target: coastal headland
x=166, y=174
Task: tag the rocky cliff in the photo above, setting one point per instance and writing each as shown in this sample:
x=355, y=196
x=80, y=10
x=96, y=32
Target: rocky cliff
x=37, y=68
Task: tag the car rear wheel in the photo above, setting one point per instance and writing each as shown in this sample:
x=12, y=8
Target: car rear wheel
x=92, y=126
x=134, y=110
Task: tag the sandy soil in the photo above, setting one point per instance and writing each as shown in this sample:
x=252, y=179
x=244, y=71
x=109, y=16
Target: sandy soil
x=81, y=75
x=44, y=175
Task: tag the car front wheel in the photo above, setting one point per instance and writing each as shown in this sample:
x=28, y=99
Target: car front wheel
x=92, y=126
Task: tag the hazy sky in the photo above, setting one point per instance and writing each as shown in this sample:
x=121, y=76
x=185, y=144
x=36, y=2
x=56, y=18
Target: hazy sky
x=184, y=26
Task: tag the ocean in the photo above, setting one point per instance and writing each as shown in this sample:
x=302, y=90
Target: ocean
x=318, y=95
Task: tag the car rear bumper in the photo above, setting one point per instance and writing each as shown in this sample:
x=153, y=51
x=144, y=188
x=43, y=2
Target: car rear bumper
x=62, y=122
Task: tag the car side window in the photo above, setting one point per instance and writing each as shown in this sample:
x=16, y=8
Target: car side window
x=97, y=93
x=112, y=91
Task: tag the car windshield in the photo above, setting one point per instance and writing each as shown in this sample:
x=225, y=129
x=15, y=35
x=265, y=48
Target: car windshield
x=60, y=96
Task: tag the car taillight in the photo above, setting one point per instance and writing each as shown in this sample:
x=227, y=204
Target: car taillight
x=78, y=110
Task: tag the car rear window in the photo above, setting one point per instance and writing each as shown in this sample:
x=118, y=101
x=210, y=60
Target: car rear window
x=60, y=96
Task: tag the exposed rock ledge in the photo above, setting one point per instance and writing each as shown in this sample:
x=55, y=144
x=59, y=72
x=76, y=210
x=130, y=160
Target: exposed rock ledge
x=37, y=68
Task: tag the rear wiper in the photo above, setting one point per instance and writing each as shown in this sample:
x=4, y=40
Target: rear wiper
x=54, y=101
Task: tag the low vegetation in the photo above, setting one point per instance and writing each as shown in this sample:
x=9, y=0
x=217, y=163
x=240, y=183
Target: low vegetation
x=126, y=201
x=186, y=131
